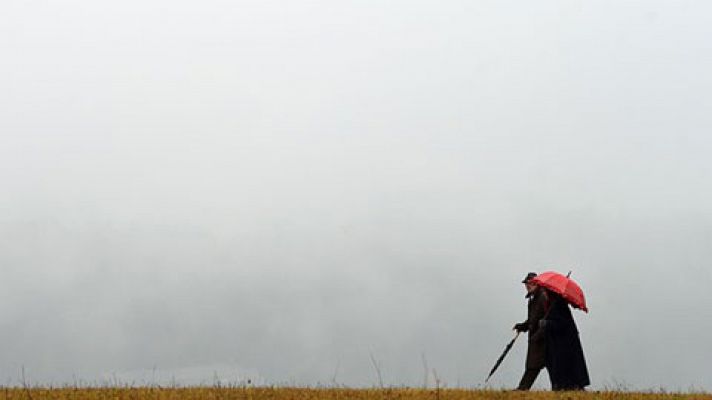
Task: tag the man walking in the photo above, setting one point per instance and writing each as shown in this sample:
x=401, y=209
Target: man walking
x=536, y=351
x=565, y=361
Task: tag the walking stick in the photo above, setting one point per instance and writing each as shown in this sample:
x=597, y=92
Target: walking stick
x=499, y=360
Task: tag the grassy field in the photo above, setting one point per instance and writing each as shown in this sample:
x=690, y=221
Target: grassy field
x=246, y=393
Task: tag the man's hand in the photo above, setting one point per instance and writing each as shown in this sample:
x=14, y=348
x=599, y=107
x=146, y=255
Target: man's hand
x=521, y=327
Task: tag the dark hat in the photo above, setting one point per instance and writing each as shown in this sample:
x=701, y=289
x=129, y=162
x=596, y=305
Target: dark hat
x=529, y=277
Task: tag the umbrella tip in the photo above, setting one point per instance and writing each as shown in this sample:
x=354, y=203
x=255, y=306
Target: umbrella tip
x=568, y=275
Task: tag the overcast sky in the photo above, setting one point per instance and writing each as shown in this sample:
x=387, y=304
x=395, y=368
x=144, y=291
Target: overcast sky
x=281, y=190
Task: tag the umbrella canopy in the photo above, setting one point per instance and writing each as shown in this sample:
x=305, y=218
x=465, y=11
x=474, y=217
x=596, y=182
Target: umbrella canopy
x=563, y=285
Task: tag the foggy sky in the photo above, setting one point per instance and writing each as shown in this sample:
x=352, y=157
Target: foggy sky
x=279, y=191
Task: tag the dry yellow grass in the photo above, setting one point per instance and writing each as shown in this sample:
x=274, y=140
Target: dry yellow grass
x=247, y=393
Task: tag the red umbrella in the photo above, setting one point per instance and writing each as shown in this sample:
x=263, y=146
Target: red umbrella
x=563, y=285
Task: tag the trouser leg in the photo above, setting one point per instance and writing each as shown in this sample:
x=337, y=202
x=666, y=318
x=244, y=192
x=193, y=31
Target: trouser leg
x=528, y=378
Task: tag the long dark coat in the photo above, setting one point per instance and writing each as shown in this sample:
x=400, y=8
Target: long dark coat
x=565, y=361
x=536, y=309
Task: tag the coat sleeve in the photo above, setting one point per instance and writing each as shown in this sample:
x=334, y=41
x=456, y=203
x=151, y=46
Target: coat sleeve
x=559, y=318
x=538, y=336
